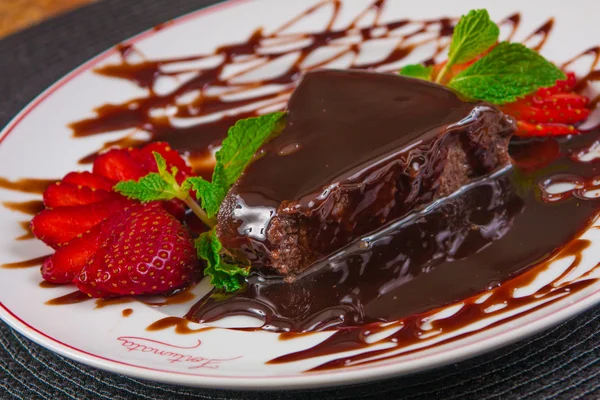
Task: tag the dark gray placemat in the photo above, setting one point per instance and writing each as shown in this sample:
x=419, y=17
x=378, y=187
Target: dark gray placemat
x=560, y=363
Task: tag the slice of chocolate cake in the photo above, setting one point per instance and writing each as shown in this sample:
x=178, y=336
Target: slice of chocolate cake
x=359, y=149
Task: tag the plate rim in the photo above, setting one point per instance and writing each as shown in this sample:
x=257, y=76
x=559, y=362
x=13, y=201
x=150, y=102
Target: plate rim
x=378, y=371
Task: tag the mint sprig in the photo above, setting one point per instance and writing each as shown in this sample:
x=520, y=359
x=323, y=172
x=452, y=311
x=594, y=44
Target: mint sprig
x=239, y=147
x=209, y=194
x=154, y=186
x=509, y=71
x=243, y=140
x=162, y=186
x=241, y=144
x=474, y=34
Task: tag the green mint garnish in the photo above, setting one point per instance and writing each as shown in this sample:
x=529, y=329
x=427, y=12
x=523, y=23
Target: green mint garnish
x=209, y=194
x=154, y=186
x=417, y=71
x=243, y=140
x=162, y=185
x=228, y=276
x=509, y=71
x=474, y=34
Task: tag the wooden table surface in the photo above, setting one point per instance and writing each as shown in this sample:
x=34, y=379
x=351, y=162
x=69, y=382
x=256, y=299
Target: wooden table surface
x=19, y=14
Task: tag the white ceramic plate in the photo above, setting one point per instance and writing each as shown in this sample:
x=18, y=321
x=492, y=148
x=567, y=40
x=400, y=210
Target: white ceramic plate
x=37, y=143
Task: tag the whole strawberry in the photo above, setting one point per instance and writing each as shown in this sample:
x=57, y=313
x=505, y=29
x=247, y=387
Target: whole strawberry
x=145, y=251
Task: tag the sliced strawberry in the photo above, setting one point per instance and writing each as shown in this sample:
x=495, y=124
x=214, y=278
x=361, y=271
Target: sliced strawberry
x=90, y=180
x=526, y=129
x=571, y=100
x=66, y=263
x=561, y=86
x=87, y=222
x=118, y=165
x=541, y=115
x=63, y=194
x=553, y=111
x=147, y=252
x=58, y=226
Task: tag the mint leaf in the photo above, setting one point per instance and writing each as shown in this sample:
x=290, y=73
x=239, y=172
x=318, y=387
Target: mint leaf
x=211, y=195
x=509, y=71
x=417, y=71
x=474, y=34
x=161, y=163
x=151, y=187
x=154, y=186
x=242, y=142
x=224, y=275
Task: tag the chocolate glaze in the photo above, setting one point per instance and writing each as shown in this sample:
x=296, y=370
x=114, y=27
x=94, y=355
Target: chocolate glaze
x=492, y=231
x=355, y=112
x=581, y=187
x=359, y=149
x=101, y=303
x=413, y=331
x=48, y=285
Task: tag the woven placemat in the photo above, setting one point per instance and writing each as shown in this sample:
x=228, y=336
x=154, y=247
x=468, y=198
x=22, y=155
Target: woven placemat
x=560, y=363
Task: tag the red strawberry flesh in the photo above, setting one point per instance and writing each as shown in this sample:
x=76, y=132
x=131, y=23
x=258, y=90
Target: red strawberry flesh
x=90, y=180
x=66, y=263
x=554, y=111
x=118, y=165
x=63, y=194
x=58, y=226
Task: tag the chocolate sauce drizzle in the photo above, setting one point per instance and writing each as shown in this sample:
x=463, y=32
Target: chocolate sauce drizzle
x=31, y=207
x=215, y=92
x=181, y=326
x=33, y=262
x=423, y=329
x=180, y=297
x=26, y=185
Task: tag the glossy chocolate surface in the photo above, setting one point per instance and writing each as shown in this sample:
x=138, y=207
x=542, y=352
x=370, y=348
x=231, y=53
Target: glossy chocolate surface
x=341, y=123
x=494, y=230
